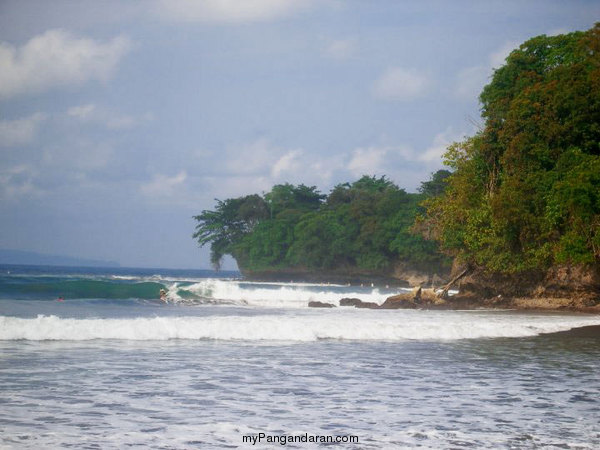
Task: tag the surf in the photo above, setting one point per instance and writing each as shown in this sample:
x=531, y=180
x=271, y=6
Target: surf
x=308, y=326
x=275, y=295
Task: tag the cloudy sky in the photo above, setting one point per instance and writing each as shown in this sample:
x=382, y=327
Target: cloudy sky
x=121, y=120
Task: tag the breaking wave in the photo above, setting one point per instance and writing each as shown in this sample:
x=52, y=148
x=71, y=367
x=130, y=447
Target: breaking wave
x=333, y=325
x=275, y=294
x=199, y=291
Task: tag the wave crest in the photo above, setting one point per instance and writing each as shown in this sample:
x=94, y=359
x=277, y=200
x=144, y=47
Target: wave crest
x=336, y=325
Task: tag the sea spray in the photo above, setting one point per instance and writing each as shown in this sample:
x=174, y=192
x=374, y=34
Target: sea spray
x=293, y=295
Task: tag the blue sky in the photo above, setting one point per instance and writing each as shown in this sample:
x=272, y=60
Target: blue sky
x=121, y=120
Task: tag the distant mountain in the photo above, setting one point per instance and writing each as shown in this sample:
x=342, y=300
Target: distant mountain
x=18, y=257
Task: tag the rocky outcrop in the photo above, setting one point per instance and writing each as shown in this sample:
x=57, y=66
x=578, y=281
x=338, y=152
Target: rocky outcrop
x=418, y=298
x=314, y=304
x=430, y=278
x=580, y=284
x=358, y=303
x=350, y=302
x=400, y=301
x=573, y=287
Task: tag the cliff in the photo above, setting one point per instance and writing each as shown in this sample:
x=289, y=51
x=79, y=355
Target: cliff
x=565, y=286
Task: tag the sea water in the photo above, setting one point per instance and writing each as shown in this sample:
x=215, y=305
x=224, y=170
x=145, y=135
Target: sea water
x=227, y=363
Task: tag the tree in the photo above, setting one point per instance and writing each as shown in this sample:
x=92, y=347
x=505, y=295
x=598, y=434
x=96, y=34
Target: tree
x=523, y=192
x=364, y=225
x=225, y=227
x=436, y=185
x=289, y=197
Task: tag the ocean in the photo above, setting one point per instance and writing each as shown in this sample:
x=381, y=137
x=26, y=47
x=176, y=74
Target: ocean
x=91, y=358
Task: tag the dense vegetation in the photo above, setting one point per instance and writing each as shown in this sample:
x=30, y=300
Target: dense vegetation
x=525, y=190
x=365, y=225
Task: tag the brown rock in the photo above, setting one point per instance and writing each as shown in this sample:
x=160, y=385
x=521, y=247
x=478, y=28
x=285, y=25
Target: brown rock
x=358, y=303
x=367, y=305
x=350, y=301
x=314, y=304
x=400, y=301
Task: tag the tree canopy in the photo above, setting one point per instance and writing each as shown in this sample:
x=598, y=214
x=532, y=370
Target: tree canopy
x=525, y=191
x=365, y=224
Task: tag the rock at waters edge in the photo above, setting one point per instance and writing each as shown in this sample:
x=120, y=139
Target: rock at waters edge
x=346, y=301
x=314, y=304
x=358, y=303
x=400, y=301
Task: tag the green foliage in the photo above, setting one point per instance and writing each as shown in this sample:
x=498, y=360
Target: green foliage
x=365, y=225
x=524, y=193
x=231, y=220
x=286, y=197
x=437, y=185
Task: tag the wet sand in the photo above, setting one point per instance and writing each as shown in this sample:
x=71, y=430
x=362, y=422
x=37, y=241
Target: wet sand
x=592, y=331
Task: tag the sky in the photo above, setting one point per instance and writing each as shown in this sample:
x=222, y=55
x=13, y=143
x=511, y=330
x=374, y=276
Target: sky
x=120, y=121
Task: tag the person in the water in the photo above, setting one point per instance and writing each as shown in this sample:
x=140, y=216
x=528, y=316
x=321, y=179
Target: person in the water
x=163, y=295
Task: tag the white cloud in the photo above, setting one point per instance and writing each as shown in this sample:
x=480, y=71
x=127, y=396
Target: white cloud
x=20, y=131
x=163, y=186
x=404, y=165
x=228, y=11
x=255, y=158
x=367, y=160
x=256, y=167
x=341, y=49
x=92, y=113
x=57, y=58
x=441, y=141
x=398, y=83
x=263, y=164
x=288, y=163
x=17, y=182
x=83, y=112
x=259, y=165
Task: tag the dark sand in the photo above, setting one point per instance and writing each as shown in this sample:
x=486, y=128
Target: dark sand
x=591, y=331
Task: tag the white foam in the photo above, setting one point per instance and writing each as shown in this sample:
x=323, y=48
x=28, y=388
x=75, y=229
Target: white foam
x=293, y=295
x=306, y=327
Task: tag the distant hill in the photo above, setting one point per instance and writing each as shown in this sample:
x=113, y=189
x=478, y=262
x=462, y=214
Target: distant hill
x=18, y=257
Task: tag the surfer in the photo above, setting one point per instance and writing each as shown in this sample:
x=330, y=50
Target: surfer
x=60, y=299
x=163, y=295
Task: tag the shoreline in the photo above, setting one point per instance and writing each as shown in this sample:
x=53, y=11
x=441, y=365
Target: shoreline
x=427, y=299
x=550, y=304
x=588, y=331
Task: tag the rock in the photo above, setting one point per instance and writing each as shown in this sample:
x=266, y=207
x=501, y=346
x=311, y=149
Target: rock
x=581, y=284
x=400, y=301
x=314, y=304
x=350, y=301
x=367, y=305
x=358, y=303
x=430, y=297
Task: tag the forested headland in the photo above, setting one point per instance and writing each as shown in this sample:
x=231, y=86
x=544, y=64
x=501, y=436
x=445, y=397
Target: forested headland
x=519, y=207
x=360, y=231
